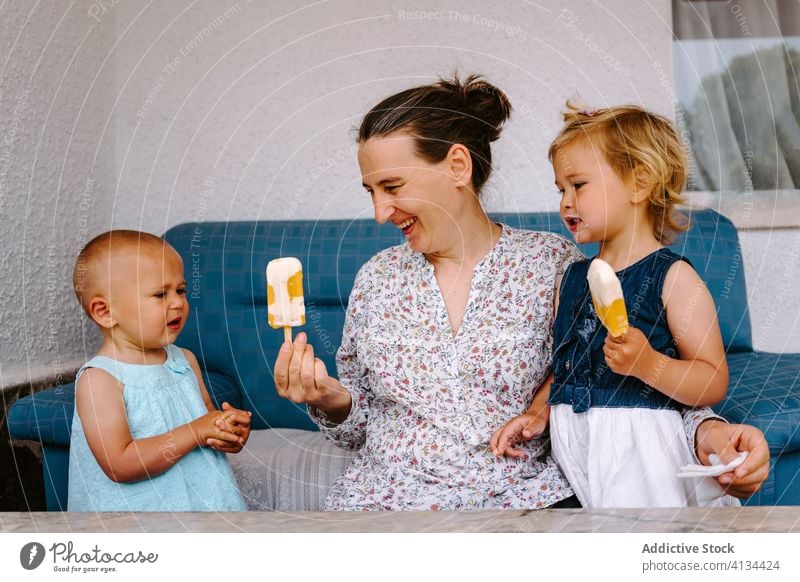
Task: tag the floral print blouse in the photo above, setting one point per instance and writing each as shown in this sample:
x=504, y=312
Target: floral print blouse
x=425, y=403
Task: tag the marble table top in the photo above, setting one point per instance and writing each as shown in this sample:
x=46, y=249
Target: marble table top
x=695, y=520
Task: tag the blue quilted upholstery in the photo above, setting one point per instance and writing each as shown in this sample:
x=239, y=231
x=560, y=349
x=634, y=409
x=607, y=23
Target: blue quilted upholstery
x=764, y=390
x=227, y=330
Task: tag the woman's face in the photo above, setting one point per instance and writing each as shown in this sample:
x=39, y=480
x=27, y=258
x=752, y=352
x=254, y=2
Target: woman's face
x=420, y=198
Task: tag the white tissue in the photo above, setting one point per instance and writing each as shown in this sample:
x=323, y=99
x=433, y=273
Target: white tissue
x=713, y=470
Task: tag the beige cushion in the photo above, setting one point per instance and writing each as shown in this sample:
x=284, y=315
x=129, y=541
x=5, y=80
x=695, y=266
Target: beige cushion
x=286, y=469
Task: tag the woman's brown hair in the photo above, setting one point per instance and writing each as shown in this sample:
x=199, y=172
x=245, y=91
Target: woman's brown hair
x=469, y=112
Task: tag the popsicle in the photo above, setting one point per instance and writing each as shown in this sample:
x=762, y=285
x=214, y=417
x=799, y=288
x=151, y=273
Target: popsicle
x=285, y=305
x=607, y=297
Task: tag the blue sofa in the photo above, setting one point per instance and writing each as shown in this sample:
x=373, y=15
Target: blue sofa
x=227, y=331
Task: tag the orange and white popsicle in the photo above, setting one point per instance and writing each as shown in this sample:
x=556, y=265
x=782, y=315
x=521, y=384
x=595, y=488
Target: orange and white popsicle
x=609, y=303
x=285, y=305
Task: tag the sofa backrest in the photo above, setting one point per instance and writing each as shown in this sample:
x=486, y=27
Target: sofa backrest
x=225, y=266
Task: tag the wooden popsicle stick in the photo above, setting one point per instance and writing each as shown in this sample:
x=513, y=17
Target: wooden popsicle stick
x=287, y=334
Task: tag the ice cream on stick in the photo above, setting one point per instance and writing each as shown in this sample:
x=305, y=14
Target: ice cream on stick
x=285, y=305
x=607, y=297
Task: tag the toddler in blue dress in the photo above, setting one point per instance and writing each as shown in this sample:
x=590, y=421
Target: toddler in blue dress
x=145, y=435
x=614, y=403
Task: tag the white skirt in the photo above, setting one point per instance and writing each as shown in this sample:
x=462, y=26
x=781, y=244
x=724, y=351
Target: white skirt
x=629, y=457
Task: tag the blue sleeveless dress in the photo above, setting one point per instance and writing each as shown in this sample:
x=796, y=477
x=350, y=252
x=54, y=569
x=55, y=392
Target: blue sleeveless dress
x=158, y=398
x=619, y=442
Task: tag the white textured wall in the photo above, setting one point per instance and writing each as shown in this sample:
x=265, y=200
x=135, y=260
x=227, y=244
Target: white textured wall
x=157, y=113
x=772, y=271
x=259, y=99
x=57, y=168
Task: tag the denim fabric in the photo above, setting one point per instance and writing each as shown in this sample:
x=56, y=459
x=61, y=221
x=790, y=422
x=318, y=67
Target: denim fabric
x=582, y=377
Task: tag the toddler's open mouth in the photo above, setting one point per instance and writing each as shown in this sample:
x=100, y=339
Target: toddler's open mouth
x=174, y=324
x=572, y=222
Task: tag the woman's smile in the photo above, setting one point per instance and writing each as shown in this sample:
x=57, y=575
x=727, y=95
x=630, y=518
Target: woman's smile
x=407, y=226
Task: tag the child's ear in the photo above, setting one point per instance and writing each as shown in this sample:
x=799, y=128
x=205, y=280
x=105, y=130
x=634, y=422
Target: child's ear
x=460, y=162
x=100, y=311
x=643, y=185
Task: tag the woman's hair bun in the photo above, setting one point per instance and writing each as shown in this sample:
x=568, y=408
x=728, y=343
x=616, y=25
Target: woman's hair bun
x=482, y=100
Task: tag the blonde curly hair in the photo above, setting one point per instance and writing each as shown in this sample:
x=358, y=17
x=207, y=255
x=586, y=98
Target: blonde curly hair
x=635, y=143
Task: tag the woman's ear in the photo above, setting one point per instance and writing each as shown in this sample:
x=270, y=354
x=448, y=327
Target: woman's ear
x=460, y=162
x=100, y=311
x=643, y=185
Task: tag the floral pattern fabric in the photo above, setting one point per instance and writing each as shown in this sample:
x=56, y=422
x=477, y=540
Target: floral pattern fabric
x=425, y=402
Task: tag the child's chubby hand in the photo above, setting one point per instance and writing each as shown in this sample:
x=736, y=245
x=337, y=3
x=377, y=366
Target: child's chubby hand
x=519, y=429
x=629, y=354
x=225, y=430
x=231, y=421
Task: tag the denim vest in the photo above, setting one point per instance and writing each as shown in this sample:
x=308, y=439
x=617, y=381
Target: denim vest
x=582, y=377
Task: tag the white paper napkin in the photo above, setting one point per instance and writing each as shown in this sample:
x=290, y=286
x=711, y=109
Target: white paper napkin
x=714, y=470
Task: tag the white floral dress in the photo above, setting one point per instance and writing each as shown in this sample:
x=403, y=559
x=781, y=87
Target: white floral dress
x=425, y=403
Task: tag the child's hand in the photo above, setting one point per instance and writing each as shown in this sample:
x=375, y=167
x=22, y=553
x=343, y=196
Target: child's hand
x=519, y=429
x=205, y=428
x=233, y=421
x=630, y=354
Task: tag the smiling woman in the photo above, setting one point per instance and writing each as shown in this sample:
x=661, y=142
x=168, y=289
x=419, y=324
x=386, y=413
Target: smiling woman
x=446, y=336
x=426, y=155
x=414, y=194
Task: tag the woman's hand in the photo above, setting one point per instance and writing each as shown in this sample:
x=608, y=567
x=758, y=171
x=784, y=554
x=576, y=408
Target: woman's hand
x=728, y=440
x=303, y=379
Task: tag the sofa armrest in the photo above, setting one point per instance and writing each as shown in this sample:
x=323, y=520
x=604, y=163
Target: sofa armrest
x=45, y=416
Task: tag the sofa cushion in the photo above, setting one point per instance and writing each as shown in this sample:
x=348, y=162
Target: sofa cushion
x=47, y=416
x=764, y=390
x=222, y=388
x=286, y=469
